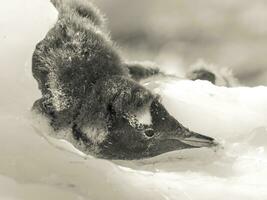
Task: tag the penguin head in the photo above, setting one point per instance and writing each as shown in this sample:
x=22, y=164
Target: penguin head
x=148, y=134
x=144, y=128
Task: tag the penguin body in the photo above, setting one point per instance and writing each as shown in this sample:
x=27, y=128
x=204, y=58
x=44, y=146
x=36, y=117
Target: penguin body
x=86, y=87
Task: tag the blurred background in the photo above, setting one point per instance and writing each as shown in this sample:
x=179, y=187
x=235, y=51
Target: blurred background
x=177, y=33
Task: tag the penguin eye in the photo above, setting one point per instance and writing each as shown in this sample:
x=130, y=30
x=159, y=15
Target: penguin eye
x=149, y=133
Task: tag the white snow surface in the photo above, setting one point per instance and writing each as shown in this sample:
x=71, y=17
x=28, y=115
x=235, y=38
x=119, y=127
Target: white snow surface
x=35, y=166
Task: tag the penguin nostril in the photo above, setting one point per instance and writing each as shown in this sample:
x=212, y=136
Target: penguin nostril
x=149, y=133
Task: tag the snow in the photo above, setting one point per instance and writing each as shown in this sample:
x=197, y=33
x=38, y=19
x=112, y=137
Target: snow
x=35, y=166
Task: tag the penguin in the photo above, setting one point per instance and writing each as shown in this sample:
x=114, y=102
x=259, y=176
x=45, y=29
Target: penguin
x=87, y=88
x=207, y=72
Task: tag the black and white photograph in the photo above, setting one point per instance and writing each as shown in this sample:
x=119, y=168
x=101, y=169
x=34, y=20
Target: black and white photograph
x=126, y=100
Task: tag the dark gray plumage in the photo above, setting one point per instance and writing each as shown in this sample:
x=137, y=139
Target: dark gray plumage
x=141, y=70
x=217, y=76
x=86, y=87
x=202, y=74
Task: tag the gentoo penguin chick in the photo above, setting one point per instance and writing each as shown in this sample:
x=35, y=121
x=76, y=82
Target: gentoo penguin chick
x=219, y=77
x=87, y=88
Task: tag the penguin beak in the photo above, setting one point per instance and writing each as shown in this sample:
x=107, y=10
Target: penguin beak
x=196, y=140
x=173, y=134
